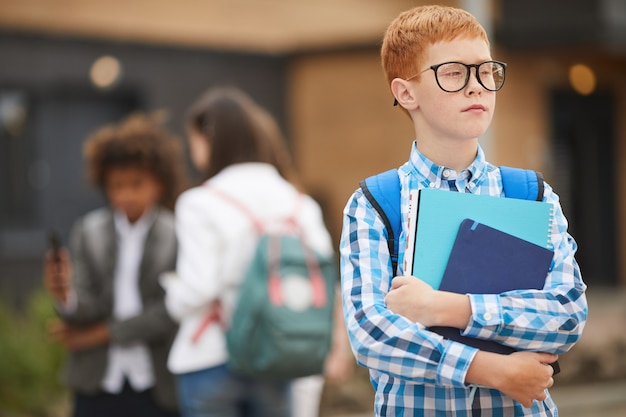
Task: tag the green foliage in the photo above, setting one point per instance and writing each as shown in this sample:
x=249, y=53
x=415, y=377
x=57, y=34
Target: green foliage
x=29, y=361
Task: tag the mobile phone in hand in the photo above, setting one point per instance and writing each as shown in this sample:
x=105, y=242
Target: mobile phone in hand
x=57, y=281
x=54, y=243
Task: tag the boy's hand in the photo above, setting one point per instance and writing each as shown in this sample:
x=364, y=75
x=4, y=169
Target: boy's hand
x=411, y=298
x=57, y=274
x=523, y=376
x=419, y=302
x=77, y=338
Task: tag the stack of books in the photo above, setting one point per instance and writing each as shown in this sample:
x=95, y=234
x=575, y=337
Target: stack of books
x=478, y=244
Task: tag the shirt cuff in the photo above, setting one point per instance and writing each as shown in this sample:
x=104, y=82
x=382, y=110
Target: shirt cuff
x=454, y=364
x=486, y=312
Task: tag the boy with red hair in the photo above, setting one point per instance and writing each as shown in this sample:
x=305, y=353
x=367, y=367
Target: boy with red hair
x=439, y=67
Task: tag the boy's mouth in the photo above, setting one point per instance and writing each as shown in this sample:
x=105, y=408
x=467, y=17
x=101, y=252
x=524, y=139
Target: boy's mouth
x=475, y=107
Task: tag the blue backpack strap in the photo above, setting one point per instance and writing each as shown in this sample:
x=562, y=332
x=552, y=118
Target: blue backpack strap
x=524, y=184
x=383, y=192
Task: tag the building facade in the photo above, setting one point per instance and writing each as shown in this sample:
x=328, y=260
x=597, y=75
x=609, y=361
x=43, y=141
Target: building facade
x=68, y=69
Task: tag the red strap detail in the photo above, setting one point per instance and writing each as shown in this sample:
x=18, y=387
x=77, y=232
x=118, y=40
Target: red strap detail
x=274, y=289
x=214, y=316
x=292, y=220
x=318, y=285
x=258, y=225
x=319, y=290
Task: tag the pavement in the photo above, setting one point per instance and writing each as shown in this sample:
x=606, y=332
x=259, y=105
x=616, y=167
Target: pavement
x=606, y=399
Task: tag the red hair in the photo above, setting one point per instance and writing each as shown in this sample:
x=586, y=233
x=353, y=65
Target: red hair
x=413, y=31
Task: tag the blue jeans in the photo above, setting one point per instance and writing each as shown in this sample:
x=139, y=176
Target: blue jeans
x=217, y=392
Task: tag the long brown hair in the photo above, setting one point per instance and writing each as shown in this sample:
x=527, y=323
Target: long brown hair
x=237, y=130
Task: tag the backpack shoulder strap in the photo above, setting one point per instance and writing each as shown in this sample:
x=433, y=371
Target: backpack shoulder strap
x=524, y=184
x=258, y=225
x=383, y=192
x=247, y=211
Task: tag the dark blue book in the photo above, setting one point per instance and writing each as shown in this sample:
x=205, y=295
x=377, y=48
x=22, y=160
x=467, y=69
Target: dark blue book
x=485, y=260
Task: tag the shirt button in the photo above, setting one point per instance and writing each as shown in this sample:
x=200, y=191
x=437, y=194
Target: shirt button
x=487, y=316
x=431, y=185
x=472, y=185
x=446, y=173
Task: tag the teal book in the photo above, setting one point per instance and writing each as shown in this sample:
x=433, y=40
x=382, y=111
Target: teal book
x=436, y=215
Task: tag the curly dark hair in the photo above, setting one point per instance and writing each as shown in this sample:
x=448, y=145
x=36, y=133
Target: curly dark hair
x=138, y=141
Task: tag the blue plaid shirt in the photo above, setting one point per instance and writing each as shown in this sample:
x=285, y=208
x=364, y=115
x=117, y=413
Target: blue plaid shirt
x=416, y=372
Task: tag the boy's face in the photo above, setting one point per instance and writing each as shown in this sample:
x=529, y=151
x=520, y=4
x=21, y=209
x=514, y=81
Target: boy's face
x=132, y=190
x=462, y=115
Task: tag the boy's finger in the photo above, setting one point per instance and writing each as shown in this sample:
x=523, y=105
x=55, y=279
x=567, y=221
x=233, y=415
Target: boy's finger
x=548, y=357
x=399, y=281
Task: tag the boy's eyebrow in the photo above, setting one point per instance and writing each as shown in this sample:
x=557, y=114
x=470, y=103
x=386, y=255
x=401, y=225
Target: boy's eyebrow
x=477, y=61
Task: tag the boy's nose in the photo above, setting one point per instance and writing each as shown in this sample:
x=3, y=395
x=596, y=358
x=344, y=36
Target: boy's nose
x=473, y=85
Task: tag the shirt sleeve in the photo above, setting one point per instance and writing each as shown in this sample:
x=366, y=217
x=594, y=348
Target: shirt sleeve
x=381, y=340
x=548, y=320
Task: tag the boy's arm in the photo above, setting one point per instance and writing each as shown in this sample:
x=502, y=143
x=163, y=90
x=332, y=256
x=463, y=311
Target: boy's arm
x=523, y=376
x=153, y=325
x=380, y=339
x=549, y=320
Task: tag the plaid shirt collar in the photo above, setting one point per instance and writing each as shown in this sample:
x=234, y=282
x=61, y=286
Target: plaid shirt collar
x=429, y=174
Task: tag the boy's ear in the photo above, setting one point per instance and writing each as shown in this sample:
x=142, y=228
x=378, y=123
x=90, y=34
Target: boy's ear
x=404, y=94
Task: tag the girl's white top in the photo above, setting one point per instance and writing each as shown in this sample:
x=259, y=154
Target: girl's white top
x=216, y=241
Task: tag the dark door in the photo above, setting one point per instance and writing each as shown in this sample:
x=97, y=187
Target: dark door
x=584, y=177
x=42, y=175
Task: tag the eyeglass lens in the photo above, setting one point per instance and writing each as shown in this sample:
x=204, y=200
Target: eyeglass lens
x=454, y=76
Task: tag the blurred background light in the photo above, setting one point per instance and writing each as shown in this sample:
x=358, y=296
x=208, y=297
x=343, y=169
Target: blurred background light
x=583, y=79
x=13, y=113
x=105, y=71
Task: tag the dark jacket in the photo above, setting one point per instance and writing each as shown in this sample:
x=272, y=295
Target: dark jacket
x=93, y=250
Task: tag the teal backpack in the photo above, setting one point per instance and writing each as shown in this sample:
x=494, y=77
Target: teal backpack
x=281, y=327
x=383, y=192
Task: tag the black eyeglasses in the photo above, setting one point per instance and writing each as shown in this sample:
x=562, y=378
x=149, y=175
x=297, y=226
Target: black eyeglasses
x=454, y=76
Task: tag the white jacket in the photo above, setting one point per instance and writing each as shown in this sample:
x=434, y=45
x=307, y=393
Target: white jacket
x=215, y=243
